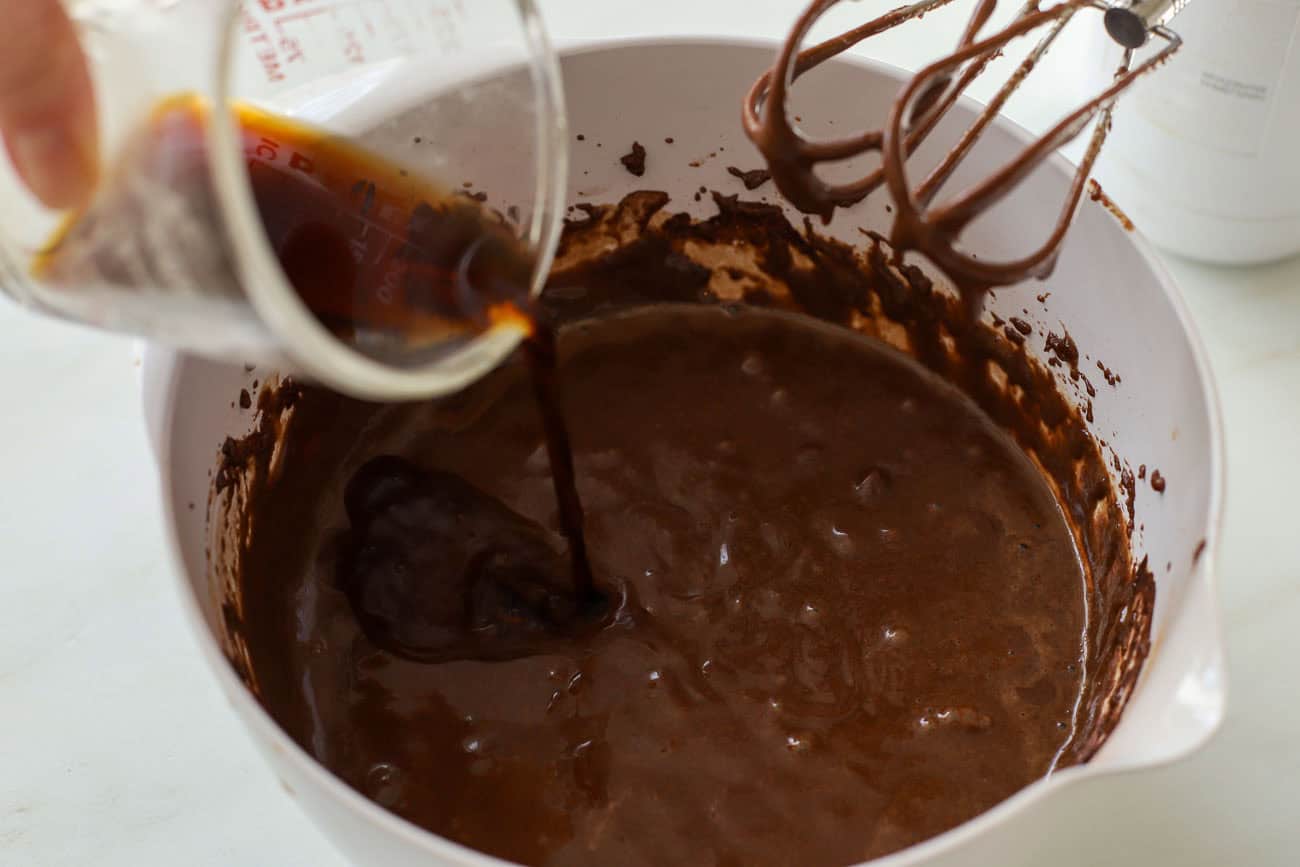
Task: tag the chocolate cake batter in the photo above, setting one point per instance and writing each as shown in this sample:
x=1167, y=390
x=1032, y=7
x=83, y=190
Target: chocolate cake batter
x=836, y=636
x=855, y=602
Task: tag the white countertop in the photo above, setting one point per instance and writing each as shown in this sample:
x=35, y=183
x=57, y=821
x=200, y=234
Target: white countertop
x=116, y=748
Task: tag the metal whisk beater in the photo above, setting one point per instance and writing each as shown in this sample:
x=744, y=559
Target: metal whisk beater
x=920, y=224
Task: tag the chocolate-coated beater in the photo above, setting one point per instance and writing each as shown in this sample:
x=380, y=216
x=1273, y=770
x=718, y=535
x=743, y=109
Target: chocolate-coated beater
x=920, y=224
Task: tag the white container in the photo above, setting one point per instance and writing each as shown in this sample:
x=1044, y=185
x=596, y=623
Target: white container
x=1204, y=155
x=1164, y=414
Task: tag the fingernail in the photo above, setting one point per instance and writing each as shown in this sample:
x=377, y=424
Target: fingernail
x=58, y=166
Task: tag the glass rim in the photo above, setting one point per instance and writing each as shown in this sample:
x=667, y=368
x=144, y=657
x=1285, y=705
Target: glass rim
x=304, y=338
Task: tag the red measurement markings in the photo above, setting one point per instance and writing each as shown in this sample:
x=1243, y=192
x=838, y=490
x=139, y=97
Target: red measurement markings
x=281, y=5
x=302, y=10
x=352, y=47
x=263, y=47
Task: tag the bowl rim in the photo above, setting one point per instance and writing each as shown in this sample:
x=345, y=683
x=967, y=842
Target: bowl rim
x=163, y=369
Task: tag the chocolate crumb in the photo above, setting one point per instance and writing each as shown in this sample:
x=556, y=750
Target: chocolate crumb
x=245, y=399
x=1064, y=348
x=1042, y=299
x=1013, y=335
x=1200, y=549
x=581, y=137
x=634, y=162
x=1022, y=326
x=669, y=140
x=695, y=164
x=752, y=179
x=1157, y=482
x=1129, y=487
x=1111, y=378
x=1142, y=472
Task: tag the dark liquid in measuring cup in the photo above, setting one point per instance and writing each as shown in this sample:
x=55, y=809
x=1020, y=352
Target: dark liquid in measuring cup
x=380, y=256
x=391, y=263
x=372, y=250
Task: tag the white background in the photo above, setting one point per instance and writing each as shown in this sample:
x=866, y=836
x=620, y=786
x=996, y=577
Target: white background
x=117, y=749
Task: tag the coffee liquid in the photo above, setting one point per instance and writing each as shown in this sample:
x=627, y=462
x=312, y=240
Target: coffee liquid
x=388, y=260
x=374, y=250
x=403, y=270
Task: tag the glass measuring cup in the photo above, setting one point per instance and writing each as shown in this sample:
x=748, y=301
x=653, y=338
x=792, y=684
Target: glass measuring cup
x=203, y=102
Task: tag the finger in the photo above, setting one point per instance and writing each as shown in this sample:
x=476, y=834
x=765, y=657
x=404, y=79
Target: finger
x=47, y=104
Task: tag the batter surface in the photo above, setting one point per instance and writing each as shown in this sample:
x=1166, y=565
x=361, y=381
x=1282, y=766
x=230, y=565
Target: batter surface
x=849, y=611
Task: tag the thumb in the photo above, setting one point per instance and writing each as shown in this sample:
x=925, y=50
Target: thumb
x=47, y=104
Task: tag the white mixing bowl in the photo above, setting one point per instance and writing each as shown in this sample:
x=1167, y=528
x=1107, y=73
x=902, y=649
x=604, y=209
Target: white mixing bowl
x=1108, y=290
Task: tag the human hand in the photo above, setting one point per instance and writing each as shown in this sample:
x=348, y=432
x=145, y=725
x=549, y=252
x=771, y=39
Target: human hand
x=47, y=104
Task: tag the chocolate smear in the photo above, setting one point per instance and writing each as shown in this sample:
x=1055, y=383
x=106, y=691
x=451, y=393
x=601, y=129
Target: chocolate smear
x=752, y=179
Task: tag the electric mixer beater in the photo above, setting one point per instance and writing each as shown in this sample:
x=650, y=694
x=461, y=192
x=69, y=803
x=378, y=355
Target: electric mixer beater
x=920, y=224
